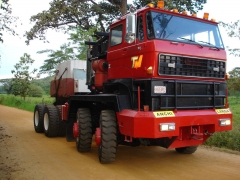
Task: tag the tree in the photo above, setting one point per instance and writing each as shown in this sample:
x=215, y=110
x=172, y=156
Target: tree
x=234, y=81
x=65, y=14
x=233, y=30
x=188, y=5
x=35, y=91
x=6, y=19
x=22, y=77
x=76, y=50
x=56, y=57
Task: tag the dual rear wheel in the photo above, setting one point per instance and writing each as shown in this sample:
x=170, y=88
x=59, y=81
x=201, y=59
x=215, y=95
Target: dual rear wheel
x=47, y=119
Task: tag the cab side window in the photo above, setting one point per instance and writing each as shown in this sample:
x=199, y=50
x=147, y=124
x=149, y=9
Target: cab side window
x=116, y=35
x=140, y=31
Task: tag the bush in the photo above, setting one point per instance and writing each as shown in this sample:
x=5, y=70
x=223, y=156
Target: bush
x=35, y=91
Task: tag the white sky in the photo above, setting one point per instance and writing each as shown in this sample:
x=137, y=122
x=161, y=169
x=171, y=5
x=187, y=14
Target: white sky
x=14, y=47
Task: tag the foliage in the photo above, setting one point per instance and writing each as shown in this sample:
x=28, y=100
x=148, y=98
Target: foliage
x=233, y=30
x=56, y=57
x=188, y=5
x=229, y=139
x=28, y=104
x=35, y=91
x=234, y=81
x=7, y=85
x=71, y=51
x=6, y=19
x=65, y=14
x=22, y=76
x=44, y=83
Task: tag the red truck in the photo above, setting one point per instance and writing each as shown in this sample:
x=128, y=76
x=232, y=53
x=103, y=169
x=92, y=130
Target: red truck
x=158, y=78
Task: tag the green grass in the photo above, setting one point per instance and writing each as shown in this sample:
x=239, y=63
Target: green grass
x=29, y=103
x=228, y=139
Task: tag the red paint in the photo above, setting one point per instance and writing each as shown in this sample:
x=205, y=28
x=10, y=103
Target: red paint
x=100, y=73
x=98, y=138
x=75, y=130
x=62, y=88
x=190, y=125
x=65, y=111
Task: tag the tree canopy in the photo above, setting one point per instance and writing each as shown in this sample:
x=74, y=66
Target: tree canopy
x=65, y=14
x=233, y=30
x=6, y=19
x=23, y=76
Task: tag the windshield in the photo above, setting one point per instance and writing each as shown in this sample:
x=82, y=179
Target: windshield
x=174, y=28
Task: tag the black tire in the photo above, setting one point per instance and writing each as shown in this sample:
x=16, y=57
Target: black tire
x=84, y=139
x=108, y=148
x=62, y=124
x=38, y=118
x=186, y=150
x=51, y=121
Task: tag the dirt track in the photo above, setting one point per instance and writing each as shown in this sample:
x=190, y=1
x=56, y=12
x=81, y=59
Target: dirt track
x=25, y=154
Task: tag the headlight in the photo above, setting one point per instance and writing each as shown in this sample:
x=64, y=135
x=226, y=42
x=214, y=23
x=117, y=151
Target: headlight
x=167, y=126
x=224, y=122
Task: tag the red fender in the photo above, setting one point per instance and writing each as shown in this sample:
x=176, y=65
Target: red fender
x=98, y=138
x=75, y=130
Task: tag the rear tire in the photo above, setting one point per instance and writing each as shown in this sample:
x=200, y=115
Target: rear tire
x=38, y=118
x=84, y=139
x=107, y=149
x=62, y=124
x=187, y=150
x=51, y=121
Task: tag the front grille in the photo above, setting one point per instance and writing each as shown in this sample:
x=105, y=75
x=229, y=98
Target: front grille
x=186, y=66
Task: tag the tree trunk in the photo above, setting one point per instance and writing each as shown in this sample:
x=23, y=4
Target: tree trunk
x=123, y=7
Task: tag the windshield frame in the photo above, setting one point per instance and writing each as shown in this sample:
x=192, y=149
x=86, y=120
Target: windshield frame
x=183, y=29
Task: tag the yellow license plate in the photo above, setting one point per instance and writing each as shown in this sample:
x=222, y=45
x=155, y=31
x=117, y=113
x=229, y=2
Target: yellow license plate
x=223, y=111
x=160, y=114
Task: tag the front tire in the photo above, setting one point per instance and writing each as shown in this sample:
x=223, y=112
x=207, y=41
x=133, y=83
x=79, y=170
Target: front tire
x=107, y=149
x=51, y=121
x=38, y=118
x=187, y=150
x=84, y=139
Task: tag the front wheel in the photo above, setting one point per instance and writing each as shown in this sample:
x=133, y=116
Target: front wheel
x=108, y=125
x=186, y=150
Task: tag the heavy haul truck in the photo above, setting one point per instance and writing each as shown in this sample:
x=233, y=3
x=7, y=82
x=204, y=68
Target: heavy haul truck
x=158, y=78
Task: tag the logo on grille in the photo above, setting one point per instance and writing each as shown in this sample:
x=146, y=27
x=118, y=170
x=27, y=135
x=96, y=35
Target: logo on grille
x=216, y=69
x=172, y=65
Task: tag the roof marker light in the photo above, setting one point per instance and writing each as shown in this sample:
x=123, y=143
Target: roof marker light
x=150, y=5
x=214, y=20
x=194, y=15
x=175, y=10
x=205, y=15
x=184, y=12
x=160, y=4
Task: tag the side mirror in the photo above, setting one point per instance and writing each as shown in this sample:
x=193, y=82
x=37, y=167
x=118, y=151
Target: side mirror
x=130, y=28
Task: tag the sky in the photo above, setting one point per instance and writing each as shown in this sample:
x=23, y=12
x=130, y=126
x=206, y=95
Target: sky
x=14, y=47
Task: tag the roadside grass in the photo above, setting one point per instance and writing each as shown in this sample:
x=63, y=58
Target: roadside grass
x=29, y=103
x=228, y=139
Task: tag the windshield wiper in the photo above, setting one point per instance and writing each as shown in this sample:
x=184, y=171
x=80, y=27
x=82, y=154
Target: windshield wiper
x=191, y=41
x=210, y=44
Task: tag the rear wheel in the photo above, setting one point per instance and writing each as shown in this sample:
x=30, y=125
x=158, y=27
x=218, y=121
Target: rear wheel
x=107, y=149
x=84, y=139
x=51, y=121
x=62, y=124
x=38, y=118
x=186, y=150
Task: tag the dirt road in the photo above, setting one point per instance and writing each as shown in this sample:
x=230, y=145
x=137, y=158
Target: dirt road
x=25, y=154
